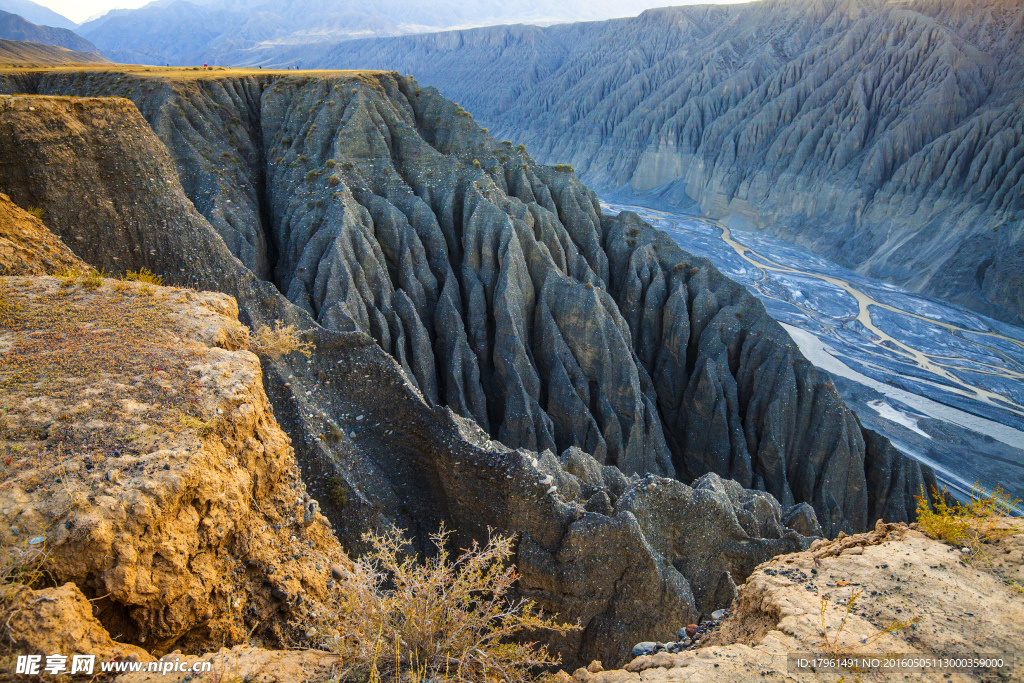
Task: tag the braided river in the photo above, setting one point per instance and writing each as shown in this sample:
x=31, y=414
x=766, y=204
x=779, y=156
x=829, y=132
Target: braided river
x=945, y=384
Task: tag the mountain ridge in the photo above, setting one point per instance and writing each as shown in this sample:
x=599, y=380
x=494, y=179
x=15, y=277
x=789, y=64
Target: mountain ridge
x=15, y=27
x=886, y=136
x=31, y=54
x=37, y=14
x=226, y=31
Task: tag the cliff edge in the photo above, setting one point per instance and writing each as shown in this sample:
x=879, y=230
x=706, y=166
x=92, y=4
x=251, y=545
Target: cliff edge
x=144, y=471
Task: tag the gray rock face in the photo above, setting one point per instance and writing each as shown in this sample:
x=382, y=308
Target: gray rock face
x=886, y=136
x=503, y=292
x=474, y=315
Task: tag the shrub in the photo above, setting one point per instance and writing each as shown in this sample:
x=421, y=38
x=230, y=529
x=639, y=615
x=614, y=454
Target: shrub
x=447, y=618
x=279, y=341
x=968, y=525
x=336, y=491
x=36, y=211
x=143, y=275
x=92, y=280
x=831, y=643
x=333, y=180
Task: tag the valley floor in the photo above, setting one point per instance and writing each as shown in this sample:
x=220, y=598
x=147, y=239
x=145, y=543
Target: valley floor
x=942, y=383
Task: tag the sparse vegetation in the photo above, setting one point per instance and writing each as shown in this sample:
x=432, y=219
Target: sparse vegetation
x=968, y=525
x=336, y=491
x=142, y=275
x=972, y=526
x=278, y=341
x=446, y=618
x=832, y=645
x=36, y=211
x=564, y=168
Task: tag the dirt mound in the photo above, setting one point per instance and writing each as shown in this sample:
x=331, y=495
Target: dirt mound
x=60, y=620
x=27, y=247
x=142, y=463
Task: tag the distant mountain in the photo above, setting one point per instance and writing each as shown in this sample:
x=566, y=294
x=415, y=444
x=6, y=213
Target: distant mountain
x=14, y=27
x=37, y=54
x=885, y=135
x=226, y=31
x=37, y=14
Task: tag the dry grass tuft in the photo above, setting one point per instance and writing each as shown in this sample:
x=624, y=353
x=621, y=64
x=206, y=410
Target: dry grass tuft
x=447, y=618
x=968, y=525
x=279, y=341
x=831, y=644
x=972, y=526
x=143, y=275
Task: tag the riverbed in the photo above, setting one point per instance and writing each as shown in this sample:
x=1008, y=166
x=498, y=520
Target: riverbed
x=946, y=385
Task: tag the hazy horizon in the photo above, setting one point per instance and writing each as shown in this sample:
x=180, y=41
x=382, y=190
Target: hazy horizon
x=80, y=11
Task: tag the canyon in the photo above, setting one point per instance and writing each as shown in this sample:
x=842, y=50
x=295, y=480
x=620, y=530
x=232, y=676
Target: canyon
x=885, y=136
x=491, y=348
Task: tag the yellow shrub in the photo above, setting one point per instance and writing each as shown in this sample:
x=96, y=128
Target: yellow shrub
x=965, y=525
x=279, y=341
x=143, y=275
x=447, y=618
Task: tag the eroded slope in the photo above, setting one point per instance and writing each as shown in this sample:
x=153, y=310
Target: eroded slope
x=888, y=136
x=528, y=276
x=502, y=290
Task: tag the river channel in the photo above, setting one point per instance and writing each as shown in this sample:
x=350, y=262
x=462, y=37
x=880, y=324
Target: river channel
x=946, y=385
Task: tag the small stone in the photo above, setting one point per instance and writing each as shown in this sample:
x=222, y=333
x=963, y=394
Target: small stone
x=338, y=572
x=645, y=648
x=36, y=541
x=359, y=418
x=111, y=475
x=595, y=667
x=691, y=630
x=312, y=507
x=718, y=614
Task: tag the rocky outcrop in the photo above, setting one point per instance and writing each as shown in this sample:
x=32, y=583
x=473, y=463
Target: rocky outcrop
x=27, y=247
x=59, y=620
x=899, y=576
x=474, y=315
x=887, y=136
x=145, y=470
